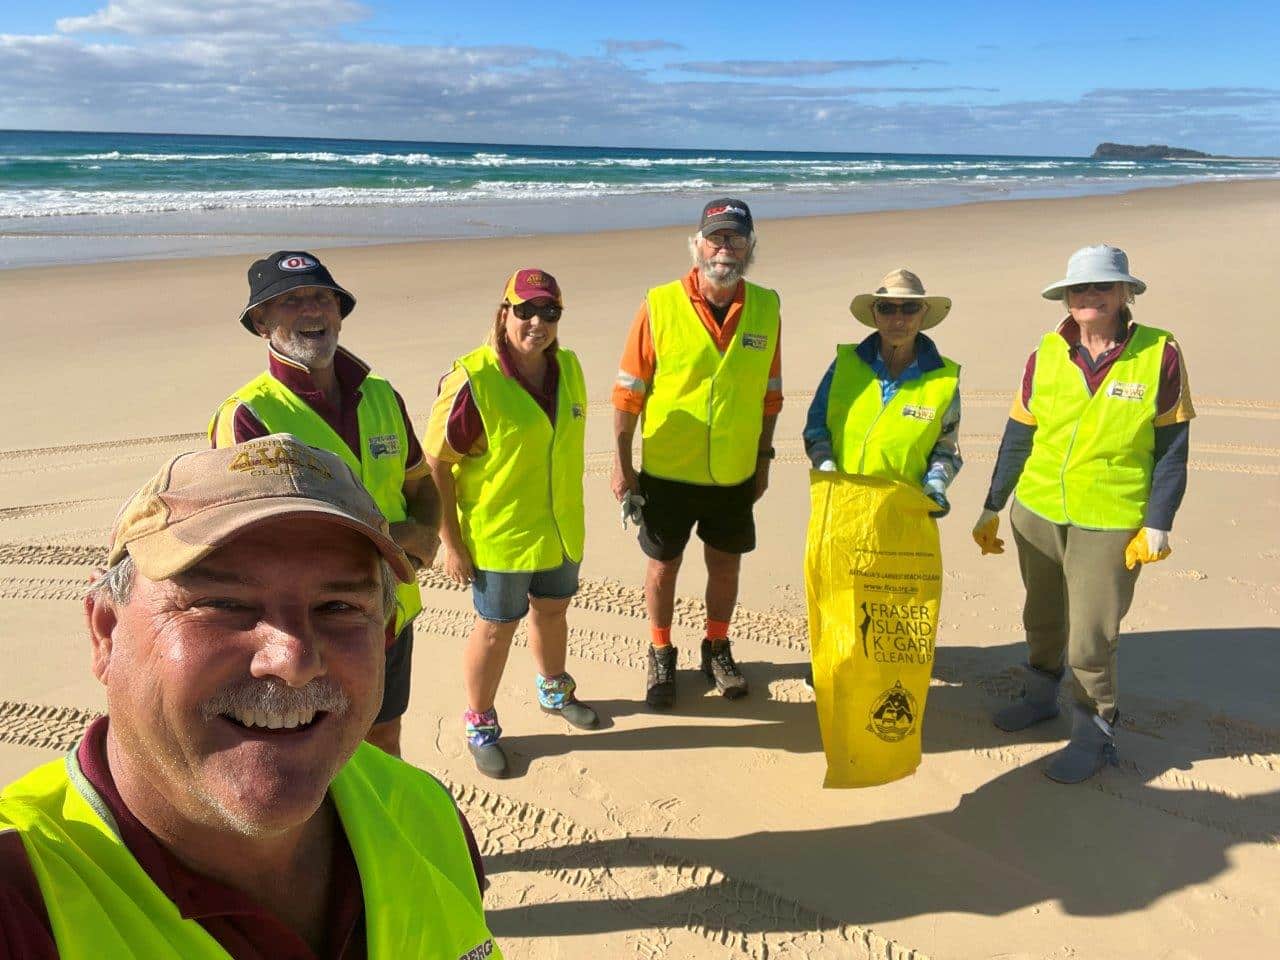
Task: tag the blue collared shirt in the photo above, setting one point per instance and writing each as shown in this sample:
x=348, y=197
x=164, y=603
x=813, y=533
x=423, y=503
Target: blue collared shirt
x=944, y=459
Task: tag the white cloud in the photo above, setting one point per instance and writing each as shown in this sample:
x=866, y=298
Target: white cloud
x=163, y=74
x=179, y=18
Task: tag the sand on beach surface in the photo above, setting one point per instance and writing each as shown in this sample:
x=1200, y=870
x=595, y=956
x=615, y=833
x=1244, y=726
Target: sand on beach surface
x=703, y=832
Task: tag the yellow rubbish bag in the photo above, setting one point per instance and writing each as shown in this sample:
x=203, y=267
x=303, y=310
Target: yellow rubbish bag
x=873, y=579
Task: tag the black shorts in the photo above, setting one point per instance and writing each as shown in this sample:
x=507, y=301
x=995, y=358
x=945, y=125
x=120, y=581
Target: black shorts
x=395, y=692
x=671, y=508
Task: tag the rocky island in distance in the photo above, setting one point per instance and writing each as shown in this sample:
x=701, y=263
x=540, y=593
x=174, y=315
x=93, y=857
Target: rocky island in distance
x=1154, y=151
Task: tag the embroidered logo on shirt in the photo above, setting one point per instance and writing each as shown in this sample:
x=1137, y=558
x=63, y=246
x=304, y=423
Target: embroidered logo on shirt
x=1127, y=391
x=578, y=412
x=917, y=412
x=479, y=953
x=755, y=341
x=384, y=445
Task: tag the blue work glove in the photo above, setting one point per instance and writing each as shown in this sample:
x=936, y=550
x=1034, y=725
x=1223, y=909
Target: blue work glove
x=938, y=494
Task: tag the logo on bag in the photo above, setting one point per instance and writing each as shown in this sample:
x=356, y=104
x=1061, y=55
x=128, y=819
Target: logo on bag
x=384, y=445
x=894, y=713
x=1127, y=391
x=755, y=341
x=578, y=412
x=917, y=412
x=479, y=953
x=864, y=626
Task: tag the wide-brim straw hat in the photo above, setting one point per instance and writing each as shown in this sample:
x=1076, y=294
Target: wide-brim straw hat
x=1101, y=263
x=901, y=285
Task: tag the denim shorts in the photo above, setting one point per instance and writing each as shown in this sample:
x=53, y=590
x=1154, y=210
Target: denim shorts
x=504, y=597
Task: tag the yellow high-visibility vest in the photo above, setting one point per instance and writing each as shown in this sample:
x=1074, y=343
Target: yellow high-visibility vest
x=893, y=441
x=520, y=501
x=384, y=447
x=420, y=893
x=704, y=412
x=1092, y=456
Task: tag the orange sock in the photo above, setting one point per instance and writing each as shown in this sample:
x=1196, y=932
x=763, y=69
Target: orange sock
x=717, y=630
x=660, y=636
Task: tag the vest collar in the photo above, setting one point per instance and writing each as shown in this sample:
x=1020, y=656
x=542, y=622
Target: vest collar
x=927, y=359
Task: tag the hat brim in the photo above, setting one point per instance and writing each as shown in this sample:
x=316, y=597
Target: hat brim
x=180, y=546
x=1058, y=291
x=346, y=302
x=937, y=307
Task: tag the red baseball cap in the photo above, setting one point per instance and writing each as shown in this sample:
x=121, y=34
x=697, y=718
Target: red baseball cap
x=532, y=284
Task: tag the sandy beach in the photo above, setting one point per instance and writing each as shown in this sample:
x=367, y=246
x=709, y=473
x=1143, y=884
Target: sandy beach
x=704, y=833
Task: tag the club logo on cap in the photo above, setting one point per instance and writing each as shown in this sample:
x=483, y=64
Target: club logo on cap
x=535, y=279
x=296, y=262
x=727, y=208
x=265, y=459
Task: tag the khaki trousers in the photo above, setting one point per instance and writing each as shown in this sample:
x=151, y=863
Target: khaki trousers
x=1078, y=591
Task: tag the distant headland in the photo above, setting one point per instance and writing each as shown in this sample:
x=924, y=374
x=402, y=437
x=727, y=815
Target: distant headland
x=1153, y=151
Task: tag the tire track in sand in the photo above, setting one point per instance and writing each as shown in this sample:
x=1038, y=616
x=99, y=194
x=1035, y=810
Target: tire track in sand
x=72, y=449
x=722, y=909
x=1237, y=740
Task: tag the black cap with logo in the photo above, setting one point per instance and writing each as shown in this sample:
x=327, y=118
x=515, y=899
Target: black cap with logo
x=726, y=214
x=284, y=270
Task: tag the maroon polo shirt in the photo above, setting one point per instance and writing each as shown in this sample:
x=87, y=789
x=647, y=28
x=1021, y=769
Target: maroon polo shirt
x=466, y=427
x=1095, y=369
x=351, y=372
x=241, y=926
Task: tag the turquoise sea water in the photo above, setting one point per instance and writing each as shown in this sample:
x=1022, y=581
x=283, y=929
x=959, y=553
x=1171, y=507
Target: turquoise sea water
x=83, y=196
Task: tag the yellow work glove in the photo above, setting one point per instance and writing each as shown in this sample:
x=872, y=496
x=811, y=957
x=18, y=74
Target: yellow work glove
x=984, y=533
x=1147, y=546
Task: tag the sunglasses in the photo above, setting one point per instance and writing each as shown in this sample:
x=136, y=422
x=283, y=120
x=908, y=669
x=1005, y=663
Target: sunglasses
x=547, y=313
x=908, y=309
x=1105, y=287
x=734, y=241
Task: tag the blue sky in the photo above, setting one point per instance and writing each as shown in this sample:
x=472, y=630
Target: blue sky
x=1002, y=77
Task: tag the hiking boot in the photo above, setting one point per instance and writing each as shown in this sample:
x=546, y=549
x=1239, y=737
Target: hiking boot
x=660, y=693
x=718, y=667
x=1039, y=702
x=1091, y=747
x=556, y=695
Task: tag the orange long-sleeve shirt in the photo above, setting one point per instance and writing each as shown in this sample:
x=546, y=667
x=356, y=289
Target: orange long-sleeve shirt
x=636, y=368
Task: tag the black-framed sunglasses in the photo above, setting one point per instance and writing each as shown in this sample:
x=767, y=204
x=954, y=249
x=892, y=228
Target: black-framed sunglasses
x=546, y=312
x=1104, y=287
x=734, y=241
x=908, y=309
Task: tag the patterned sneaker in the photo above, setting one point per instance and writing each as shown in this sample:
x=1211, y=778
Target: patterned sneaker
x=556, y=695
x=660, y=692
x=483, y=732
x=719, y=668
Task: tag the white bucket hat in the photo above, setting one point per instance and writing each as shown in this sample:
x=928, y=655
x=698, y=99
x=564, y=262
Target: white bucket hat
x=900, y=284
x=1098, y=264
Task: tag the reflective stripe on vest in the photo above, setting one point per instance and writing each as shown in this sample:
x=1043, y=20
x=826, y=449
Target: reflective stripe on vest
x=704, y=412
x=893, y=440
x=520, y=502
x=418, y=882
x=384, y=447
x=1092, y=456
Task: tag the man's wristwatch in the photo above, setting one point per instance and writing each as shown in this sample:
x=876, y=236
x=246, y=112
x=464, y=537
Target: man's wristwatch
x=768, y=453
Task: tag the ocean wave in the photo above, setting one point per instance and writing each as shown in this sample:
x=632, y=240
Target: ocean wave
x=55, y=202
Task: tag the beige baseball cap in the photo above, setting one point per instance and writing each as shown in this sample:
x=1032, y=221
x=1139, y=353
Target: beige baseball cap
x=199, y=501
